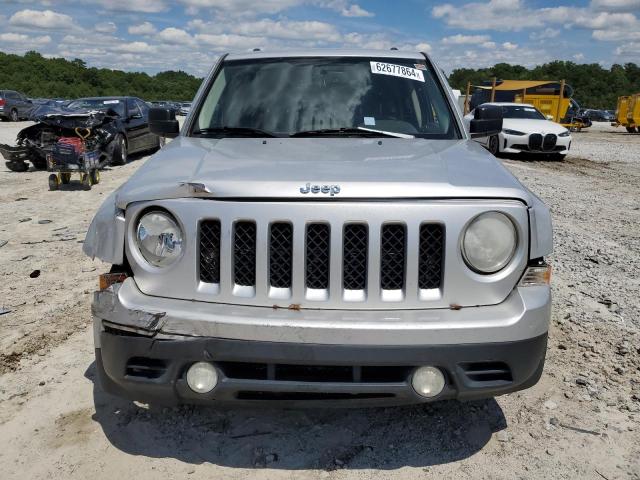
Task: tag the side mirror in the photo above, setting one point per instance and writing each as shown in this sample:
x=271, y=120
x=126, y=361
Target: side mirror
x=162, y=122
x=487, y=121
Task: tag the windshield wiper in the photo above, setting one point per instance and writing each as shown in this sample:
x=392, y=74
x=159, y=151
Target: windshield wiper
x=230, y=131
x=350, y=131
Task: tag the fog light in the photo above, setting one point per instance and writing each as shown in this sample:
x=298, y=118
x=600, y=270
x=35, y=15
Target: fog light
x=428, y=381
x=202, y=377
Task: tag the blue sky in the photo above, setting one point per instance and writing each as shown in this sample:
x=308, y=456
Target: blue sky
x=156, y=35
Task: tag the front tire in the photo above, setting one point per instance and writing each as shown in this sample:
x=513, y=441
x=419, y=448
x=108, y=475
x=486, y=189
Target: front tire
x=14, y=115
x=631, y=129
x=494, y=145
x=54, y=182
x=120, y=154
x=18, y=166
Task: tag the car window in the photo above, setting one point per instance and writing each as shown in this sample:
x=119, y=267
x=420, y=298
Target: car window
x=98, y=104
x=144, y=108
x=289, y=95
x=132, y=108
x=522, y=111
x=11, y=95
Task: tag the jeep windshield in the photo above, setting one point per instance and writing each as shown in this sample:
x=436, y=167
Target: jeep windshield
x=325, y=97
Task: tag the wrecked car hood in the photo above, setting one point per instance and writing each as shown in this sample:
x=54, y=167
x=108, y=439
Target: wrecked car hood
x=361, y=168
x=60, y=116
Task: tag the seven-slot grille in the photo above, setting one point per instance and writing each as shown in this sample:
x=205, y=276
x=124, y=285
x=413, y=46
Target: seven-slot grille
x=356, y=255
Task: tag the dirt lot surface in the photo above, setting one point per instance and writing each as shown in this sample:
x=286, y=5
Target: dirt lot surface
x=582, y=420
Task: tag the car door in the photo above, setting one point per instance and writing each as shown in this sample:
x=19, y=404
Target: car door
x=24, y=105
x=135, y=126
x=150, y=140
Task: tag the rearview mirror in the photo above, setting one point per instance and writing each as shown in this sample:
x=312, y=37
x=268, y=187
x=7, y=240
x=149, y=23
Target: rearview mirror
x=162, y=122
x=487, y=121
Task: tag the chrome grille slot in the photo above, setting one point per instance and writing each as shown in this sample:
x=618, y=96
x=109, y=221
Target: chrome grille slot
x=280, y=255
x=318, y=250
x=431, y=256
x=392, y=256
x=244, y=254
x=354, y=258
x=210, y=251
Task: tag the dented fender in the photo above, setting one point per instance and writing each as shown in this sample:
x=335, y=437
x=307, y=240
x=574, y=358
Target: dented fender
x=105, y=237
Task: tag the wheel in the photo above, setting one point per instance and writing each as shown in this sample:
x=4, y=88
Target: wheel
x=494, y=144
x=120, y=154
x=14, y=115
x=65, y=178
x=17, y=166
x=54, y=182
x=95, y=176
x=161, y=142
x=86, y=181
x=631, y=129
x=39, y=163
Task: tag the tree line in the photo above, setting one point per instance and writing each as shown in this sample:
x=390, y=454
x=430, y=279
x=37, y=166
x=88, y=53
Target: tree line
x=37, y=76
x=593, y=85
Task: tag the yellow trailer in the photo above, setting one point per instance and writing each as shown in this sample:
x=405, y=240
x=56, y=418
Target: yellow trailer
x=552, y=98
x=628, y=113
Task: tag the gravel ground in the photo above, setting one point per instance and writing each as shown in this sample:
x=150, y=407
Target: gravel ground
x=582, y=420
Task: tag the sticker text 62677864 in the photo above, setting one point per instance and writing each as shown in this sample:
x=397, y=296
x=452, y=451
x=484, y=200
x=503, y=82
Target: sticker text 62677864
x=401, y=71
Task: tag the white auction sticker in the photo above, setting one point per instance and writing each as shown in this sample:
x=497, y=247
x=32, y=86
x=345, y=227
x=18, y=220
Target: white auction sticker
x=109, y=102
x=397, y=71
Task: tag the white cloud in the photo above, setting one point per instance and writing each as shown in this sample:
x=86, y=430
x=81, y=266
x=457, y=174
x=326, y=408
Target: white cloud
x=21, y=38
x=242, y=7
x=630, y=50
x=105, y=27
x=460, y=39
x=133, y=47
x=145, y=28
x=355, y=11
x=509, y=46
x=45, y=19
x=225, y=42
x=578, y=57
x=145, y=6
x=616, y=35
x=616, y=5
x=294, y=30
x=544, y=34
x=175, y=36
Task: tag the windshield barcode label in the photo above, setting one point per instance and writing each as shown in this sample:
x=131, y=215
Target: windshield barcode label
x=397, y=71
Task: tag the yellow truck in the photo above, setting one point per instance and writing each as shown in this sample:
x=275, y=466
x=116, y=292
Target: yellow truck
x=628, y=113
x=552, y=98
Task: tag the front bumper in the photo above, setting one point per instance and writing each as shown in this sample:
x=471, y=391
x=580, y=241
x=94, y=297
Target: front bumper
x=520, y=144
x=144, y=346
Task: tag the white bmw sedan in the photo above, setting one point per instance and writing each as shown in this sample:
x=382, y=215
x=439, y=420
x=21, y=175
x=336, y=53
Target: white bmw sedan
x=526, y=130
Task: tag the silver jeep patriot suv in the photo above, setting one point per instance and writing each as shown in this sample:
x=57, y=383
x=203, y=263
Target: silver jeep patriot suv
x=321, y=230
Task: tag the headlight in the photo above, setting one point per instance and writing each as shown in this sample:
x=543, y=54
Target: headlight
x=489, y=242
x=566, y=133
x=513, y=132
x=159, y=238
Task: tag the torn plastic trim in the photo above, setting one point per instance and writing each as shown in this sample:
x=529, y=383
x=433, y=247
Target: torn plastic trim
x=106, y=307
x=105, y=237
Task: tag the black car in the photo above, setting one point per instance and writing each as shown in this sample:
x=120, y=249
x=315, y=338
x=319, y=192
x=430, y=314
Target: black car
x=14, y=105
x=114, y=126
x=133, y=124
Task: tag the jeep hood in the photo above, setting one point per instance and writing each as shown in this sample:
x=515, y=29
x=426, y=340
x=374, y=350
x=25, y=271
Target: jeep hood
x=363, y=168
x=278, y=168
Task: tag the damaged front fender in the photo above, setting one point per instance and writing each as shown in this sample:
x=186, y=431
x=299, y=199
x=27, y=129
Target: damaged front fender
x=105, y=237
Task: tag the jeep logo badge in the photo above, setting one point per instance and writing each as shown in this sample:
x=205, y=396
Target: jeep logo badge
x=330, y=189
